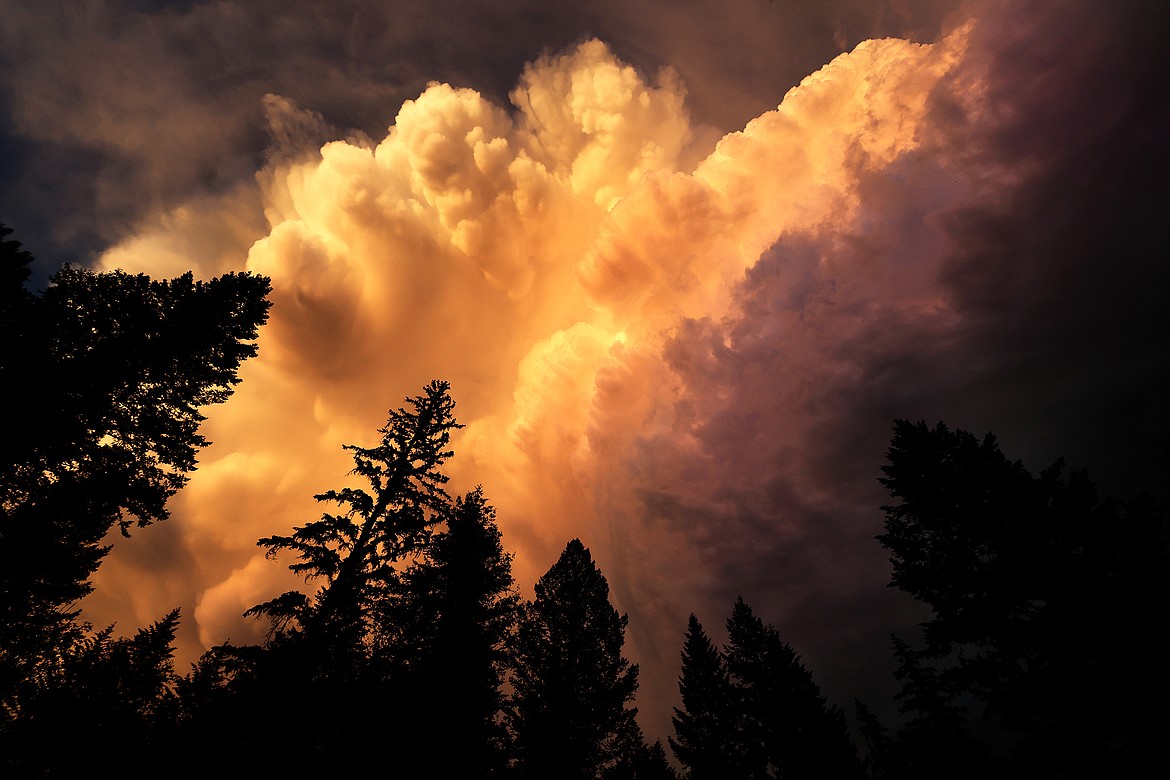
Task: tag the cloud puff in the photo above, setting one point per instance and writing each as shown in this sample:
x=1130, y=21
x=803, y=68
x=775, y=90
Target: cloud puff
x=117, y=112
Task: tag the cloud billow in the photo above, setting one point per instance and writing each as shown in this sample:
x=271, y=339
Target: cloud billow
x=692, y=366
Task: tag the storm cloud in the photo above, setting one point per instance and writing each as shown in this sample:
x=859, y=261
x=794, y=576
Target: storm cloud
x=680, y=292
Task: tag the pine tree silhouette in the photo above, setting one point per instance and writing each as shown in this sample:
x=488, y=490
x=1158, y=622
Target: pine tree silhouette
x=569, y=712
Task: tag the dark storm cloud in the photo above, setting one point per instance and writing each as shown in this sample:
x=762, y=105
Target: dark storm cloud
x=1066, y=272
x=1028, y=300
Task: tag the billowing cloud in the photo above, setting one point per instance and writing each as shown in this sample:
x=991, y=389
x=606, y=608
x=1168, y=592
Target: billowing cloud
x=117, y=112
x=687, y=353
x=641, y=353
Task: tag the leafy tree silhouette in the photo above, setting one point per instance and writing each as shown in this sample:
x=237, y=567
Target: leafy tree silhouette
x=105, y=375
x=1046, y=602
x=569, y=710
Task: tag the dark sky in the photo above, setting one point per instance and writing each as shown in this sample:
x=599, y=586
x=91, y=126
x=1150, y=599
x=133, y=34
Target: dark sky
x=688, y=355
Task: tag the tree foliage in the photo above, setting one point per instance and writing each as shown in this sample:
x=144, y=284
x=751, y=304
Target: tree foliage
x=415, y=654
x=753, y=710
x=570, y=713
x=355, y=551
x=706, y=726
x=100, y=695
x=448, y=629
x=1046, y=601
x=105, y=376
x=331, y=652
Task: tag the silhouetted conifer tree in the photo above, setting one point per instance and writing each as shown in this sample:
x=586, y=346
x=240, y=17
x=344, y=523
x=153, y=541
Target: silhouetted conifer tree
x=651, y=764
x=788, y=730
x=753, y=711
x=258, y=708
x=882, y=754
x=104, y=376
x=1026, y=577
x=355, y=551
x=448, y=629
x=935, y=739
x=569, y=712
x=102, y=696
x=706, y=728
x=320, y=655
x=639, y=760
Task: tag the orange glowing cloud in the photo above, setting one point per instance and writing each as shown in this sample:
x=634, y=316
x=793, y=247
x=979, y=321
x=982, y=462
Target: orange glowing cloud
x=620, y=331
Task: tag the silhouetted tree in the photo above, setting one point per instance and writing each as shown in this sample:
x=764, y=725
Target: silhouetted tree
x=935, y=739
x=789, y=731
x=651, y=764
x=753, y=711
x=1046, y=601
x=102, y=696
x=882, y=756
x=261, y=710
x=706, y=728
x=569, y=711
x=321, y=646
x=104, y=376
x=355, y=552
x=638, y=760
x=448, y=628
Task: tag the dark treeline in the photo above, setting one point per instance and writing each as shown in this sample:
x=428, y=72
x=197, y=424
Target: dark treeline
x=1043, y=654
x=411, y=652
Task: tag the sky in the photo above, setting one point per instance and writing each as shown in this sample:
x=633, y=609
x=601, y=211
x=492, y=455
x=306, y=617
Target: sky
x=683, y=264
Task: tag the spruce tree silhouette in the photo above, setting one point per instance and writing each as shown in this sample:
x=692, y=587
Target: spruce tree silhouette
x=569, y=711
x=354, y=552
x=706, y=727
x=321, y=652
x=752, y=711
x=1046, y=603
x=787, y=729
x=639, y=760
x=448, y=628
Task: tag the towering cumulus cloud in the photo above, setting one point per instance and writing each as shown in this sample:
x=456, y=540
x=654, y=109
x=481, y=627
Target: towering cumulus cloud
x=692, y=367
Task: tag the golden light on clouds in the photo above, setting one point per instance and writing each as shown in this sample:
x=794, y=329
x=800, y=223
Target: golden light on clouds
x=595, y=298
